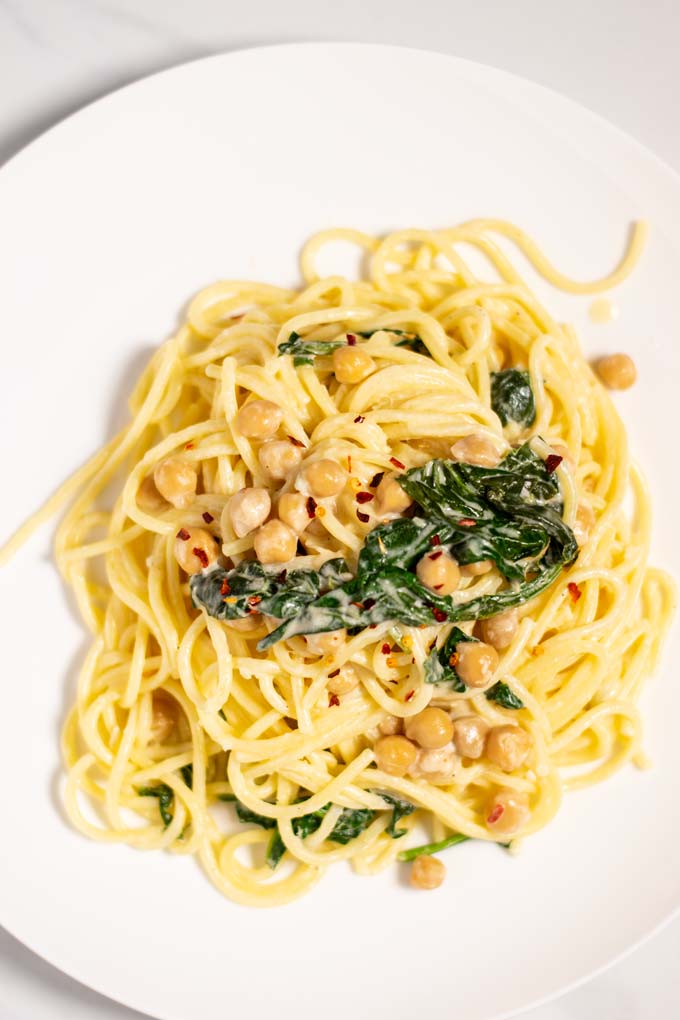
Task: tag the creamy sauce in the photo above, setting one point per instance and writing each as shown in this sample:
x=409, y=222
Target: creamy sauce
x=603, y=310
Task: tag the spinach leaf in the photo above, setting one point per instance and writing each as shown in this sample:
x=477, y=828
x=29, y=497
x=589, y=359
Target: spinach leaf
x=351, y=824
x=400, y=808
x=246, y=815
x=512, y=397
x=506, y=698
x=188, y=775
x=440, y=663
x=253, y=588
x=432, y=848
x=304, y=351
x=410, y=340
x=166, y=798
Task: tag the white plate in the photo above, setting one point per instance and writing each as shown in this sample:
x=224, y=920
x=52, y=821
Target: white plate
x=109, y=223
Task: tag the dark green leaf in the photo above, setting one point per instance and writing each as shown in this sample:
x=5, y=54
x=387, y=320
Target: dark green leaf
x=506, y=698
x=166, y=798
x=246, y=815
x=253, y=588
x=229, y=798
x=512, y=397
x=410, y=340
x=438, y=665
x=303, y=352
x=188, y=775
x=276, y=848
x=400, y=808
x=351, y=824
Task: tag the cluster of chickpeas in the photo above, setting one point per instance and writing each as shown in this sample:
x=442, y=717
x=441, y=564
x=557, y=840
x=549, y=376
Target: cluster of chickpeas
x=432, y=744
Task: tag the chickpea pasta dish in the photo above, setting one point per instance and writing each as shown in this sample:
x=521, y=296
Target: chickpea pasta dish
x=373, y=579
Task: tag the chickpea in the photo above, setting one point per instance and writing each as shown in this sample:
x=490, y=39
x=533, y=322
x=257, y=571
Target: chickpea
x=436, y=763
x=395, y=755
x=508, y=811
x=248, y=509
x=476, y=449
x=326, y=642
x=584, y=523
x=245, y=623
x=176, y=481
x=469, y=735
x=391, y=497
x=148, y=496
x=476, y=663
x=617, y=371
x=427, y=872
x=390, y=726
x=508, y=747
x=275, y=542
x=163, y=717
x=293, y=511
x=280, y=457
x=431, y=728
x=476, y=569
x=500, y=630
x=259, y=419
x=438, y=572
x=324, y=477
x=351, y=364
x=197, y=551
x=345, y=681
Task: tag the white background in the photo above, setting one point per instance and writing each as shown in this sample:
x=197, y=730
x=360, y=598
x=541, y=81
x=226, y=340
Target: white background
x=618, y=58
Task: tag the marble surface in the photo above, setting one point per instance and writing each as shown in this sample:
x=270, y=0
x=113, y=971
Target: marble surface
x=618, y=57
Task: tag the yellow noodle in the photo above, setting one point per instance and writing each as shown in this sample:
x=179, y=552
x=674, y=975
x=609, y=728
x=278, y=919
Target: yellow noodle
x=262, y=725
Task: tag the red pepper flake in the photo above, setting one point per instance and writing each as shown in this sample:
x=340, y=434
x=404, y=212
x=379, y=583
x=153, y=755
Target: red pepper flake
x=351, y=339
x=189, y=446
x=376, y=480
x=438, y=614
x=225, y=589
x=333, y=700
x=254, y=599
x=435, y=555
x=364, y=518
x=410, y=696
x=437, y=587
x=336, y=672
x=386, y=648
x=453, y=660
x=364, y=497
x=295, y=442
x=396, y=649
x=393, y=681
x=574, y=591
x=495, y=814
x=369, y=603
x=552, y=462
x=359, y=605
x=208, y=518
x=183, y=534
x=311, y=506
x=435, y=540
x=397, y=463
x=201, y=555
x=282, y=576
x=432, y=643
x=359, y=419
x=349, y=463
x=466, y=522
x=372, y=626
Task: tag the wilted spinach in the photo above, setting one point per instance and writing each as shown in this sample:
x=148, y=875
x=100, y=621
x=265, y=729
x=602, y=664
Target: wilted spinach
x=504, y=696
x=304, y=352
x=510, y=514
x=253, y=588
x=512, y=397
x=166, y=795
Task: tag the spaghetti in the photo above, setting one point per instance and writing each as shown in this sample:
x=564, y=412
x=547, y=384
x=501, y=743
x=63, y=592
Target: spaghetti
x=231, y=665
